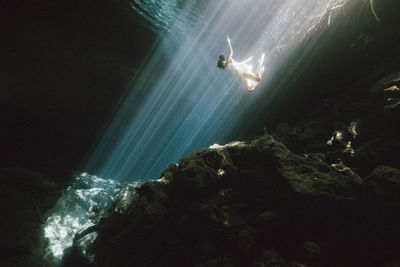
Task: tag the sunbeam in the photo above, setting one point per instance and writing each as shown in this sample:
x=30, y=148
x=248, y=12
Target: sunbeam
x=181, y=101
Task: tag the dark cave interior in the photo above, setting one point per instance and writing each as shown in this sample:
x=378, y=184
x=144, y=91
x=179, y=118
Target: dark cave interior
x=65, y=65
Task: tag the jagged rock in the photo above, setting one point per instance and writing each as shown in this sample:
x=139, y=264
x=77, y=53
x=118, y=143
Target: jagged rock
x=383, y=185
x=306, y=137
x=197, y=215
x=375, y=152
x=227, y=205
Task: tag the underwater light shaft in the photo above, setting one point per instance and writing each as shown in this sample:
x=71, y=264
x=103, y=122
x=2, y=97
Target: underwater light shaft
x=181, y=101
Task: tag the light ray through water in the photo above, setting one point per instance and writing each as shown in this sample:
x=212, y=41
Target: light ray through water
x=182, y=102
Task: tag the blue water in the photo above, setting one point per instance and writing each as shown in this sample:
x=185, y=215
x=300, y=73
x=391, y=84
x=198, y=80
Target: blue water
x=181, y=102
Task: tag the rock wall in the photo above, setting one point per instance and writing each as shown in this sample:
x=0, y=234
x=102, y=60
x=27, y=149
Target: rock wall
x=256, y=203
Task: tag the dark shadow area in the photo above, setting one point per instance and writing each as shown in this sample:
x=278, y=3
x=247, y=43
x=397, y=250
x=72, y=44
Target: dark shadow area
x=354, y=46
x=64, y=66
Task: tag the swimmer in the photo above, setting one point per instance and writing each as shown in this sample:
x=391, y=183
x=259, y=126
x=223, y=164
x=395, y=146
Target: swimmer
x=244, y=69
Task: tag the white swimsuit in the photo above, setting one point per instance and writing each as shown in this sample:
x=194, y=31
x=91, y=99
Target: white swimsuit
x=245, y=70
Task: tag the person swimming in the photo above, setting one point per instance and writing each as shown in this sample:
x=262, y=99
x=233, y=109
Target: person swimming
x=244, y=69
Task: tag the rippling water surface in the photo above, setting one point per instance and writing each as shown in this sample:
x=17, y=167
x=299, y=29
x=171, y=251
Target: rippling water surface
x=162, y=14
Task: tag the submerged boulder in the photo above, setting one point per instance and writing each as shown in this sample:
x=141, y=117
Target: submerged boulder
x=383, y=185
x=246, y=204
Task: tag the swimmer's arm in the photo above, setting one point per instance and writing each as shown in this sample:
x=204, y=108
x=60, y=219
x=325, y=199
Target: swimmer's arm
x=230, y=49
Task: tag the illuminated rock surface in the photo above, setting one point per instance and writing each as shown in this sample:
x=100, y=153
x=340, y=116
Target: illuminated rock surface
x=270, y=207
x=80, y=207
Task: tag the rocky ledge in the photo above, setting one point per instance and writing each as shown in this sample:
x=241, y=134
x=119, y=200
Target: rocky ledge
x=252, y=204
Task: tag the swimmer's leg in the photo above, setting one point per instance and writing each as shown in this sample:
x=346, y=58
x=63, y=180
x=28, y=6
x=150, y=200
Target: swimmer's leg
x=260, y=67
x=247, y=60
x=230, y=50
x=249, y=86
x=251, y=76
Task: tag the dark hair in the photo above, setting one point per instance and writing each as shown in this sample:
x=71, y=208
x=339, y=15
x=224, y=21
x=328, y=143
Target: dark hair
x=221, y=60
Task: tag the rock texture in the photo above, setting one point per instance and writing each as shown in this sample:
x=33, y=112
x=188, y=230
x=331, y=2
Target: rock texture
x=254, y=204
x=366, y=105
x=319, y=191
